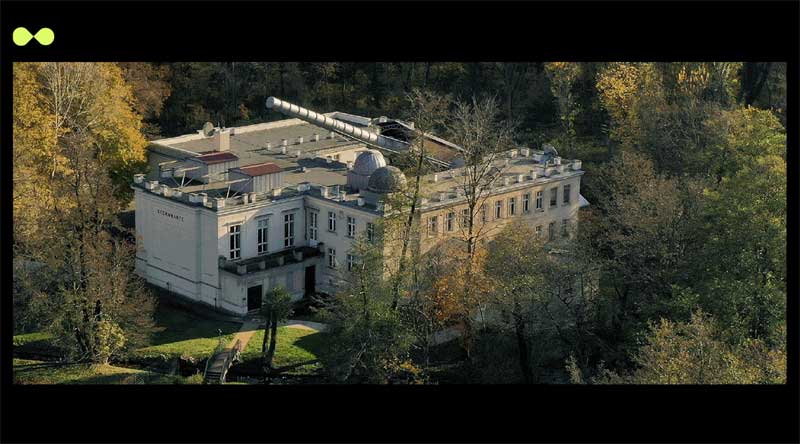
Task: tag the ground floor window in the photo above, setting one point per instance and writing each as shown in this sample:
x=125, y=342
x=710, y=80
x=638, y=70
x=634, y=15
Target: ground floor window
x=331, y=258
x=351, y=262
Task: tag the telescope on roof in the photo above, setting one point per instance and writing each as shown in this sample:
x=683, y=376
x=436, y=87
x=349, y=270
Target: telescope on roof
x=332, y=124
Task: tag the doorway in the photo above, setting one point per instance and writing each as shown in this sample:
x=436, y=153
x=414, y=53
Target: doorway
x=311, y=280
x=254, y=298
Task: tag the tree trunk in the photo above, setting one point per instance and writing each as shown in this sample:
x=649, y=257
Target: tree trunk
x=272, y=339
x=522, y=345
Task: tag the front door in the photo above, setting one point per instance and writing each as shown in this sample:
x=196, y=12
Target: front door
x=311, y=280
x=254, y=298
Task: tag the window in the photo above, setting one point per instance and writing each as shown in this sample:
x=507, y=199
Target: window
x=351, y=262
x=564, y=227
x=566, y=193
x=234, y=235
x=450, y=221
x=263, y=235
x=331, y=258
x=370, y=232
x=512, y=206
x=288, y=230
x=498, y=209
x=351, y=226
x=312, y=225
x=433, y=225
x=553, y=196
x=539, y=231
x=465, y=218
x=539, y=198
x=483, y=213
x=526, y=203
x=551, y=231
x=331, y=221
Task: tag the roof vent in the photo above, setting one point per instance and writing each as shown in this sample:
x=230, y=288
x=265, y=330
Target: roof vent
x=268, y=146
x=315, y=137
x=284, y=142
x=331, y=135
x=299, y=140
x=360, y=201
x=435, y=177
x=520, y=178
x=297, y=153
x=283, y=148
x=525, y=152
x=138, y=178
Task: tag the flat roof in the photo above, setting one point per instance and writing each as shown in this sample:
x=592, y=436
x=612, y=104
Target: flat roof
x=260, y=169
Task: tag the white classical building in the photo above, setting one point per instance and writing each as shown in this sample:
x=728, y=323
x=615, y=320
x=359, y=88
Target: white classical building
x=225, y=215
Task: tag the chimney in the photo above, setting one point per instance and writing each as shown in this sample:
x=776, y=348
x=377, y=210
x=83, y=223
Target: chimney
x=219, y=203
x=556, y=161
x=297, y=153
x=203, y=198
x=512, y=153
x=245, y=198
x=252, y=197
x=315, y=137
x=283, y=148
x=576, y=165
x=138, y=178
x=505, y=181
x=442, y=196
x=299, y=140
x=331, y=135
x=360, y=201
x=520, y=178
x=222, y=139
x=276, y=192
x=323, y=190
x=533, y=174
x=435, y=177
x=151, y=185
x=268, y=146
x=525, y=152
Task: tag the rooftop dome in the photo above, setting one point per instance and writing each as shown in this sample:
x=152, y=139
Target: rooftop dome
x=368, y=161
x=386, y=179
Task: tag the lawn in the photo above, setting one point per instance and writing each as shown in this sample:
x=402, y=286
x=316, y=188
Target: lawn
x=39, y=372
x=182, y=333
x=294, y=345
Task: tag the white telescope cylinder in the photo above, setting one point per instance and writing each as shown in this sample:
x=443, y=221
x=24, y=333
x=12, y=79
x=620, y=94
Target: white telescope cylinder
x=333, y=124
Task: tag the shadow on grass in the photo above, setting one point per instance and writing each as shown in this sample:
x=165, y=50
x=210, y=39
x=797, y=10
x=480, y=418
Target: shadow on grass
x=174, y=324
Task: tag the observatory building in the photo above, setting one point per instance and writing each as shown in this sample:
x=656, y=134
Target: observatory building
x=226, y=214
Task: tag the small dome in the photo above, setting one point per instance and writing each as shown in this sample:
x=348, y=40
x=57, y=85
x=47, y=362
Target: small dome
x=387, y=179
x=368, y=161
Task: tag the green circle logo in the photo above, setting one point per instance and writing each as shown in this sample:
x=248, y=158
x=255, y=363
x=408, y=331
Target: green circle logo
x=22, y=36
x=45, y=36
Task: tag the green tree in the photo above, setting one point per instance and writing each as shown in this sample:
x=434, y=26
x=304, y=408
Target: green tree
x=277, y=307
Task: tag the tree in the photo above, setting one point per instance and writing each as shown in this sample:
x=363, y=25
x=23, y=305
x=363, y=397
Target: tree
x=426, y=113
x=547, y=294
x=694, y=353
x=277, y=307
x=367, y=339
x=150, y=86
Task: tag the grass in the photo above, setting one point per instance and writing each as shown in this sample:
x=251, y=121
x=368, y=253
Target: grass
x=39, y=372
x=294, y=345
x=37, y=344
x=181, y=333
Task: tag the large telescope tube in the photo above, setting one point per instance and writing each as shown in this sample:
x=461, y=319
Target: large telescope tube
x=334, y=124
